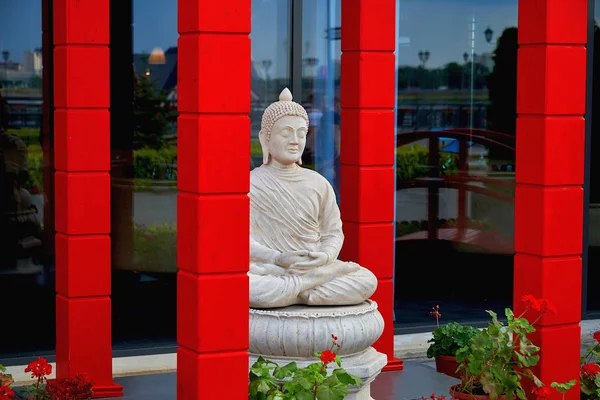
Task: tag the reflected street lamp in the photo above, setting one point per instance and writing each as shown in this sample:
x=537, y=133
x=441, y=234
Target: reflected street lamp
x=424, y=56
x=489, y=34
x=266, y=65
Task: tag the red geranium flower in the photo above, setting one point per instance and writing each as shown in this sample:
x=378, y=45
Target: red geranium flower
x=78, y=387
x=327, y=356
x=541, y=393
x=590, y=369
x=39, y=368
x=597, y=336
x=531, y=302
x=6, y=393
x=546, y=306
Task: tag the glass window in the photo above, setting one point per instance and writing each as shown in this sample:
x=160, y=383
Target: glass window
x=271, y=67
x=26, y=179
x=455, y=158
x=320, y=66
x=144, y=153
x=143, y=170
x=593, y=250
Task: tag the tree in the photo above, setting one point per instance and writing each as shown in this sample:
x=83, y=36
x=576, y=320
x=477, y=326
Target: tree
x=152, y=116
x=595, y=116
x=455, y=73
x=502, y=89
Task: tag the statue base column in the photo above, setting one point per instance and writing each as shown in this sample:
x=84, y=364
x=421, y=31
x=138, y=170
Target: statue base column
x=296, y=333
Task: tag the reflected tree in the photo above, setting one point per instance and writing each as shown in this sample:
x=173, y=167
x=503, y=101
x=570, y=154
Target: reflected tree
x=153, y=117
x=595, y=115
x=502, y=89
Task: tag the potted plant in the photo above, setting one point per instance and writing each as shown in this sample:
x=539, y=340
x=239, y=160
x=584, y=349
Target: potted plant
x=6, y=393
x=72, y=388
x=447, y=340
x=494, y=362
x=590, y=371
x=271, y=381
x=5, y=379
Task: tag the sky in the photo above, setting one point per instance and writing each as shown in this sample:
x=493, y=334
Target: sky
x=441, y=27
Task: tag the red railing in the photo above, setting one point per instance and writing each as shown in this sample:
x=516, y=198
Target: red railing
x=462, y=182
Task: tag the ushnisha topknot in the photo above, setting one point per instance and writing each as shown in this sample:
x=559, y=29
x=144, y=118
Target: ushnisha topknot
x=284, y=107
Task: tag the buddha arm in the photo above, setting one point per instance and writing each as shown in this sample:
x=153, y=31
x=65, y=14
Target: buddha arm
x=332, y=236
x=262, y=254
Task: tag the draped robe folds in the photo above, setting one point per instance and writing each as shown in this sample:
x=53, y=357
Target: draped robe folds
x=292, y=210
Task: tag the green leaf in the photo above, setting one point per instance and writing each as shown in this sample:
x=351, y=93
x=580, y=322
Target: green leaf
x=346, y=378
x=262, y=385
x=536, y=380
x=338, y=361
x=285, y=371
x=335, y=391
x=509, y=313
x=253, y=376
x=277, y=396
x=564, y=387
x=2, y=368
x=305, y=395
x=306, y=378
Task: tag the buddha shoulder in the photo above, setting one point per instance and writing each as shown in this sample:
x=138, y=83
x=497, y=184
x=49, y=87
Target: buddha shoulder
x=314, y=176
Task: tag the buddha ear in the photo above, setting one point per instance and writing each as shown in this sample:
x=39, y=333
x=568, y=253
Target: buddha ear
x=264, y=146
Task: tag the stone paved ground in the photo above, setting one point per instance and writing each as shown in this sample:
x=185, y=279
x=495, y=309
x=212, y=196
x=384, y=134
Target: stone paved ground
x=418, y=378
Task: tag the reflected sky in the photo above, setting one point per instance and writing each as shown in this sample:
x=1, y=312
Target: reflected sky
x=440, y=26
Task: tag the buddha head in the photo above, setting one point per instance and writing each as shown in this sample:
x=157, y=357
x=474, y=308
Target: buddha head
x=283, y=131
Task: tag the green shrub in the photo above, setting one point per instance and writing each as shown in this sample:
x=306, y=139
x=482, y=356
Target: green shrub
x=35, y=158
x=150, y=164
x=29, y=136
x=146, y=160
x=412, y=162
x=449, y=338
x=155, y=247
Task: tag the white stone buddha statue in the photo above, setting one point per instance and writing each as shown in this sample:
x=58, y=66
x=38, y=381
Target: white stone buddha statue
x=295, y=225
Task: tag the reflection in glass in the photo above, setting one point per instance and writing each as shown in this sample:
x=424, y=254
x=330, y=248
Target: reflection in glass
x=26, y=176
x=144, y=170
x=270, y=67
x=593, y=250
x=455, y=156
x=144, y=153
x=321, y=52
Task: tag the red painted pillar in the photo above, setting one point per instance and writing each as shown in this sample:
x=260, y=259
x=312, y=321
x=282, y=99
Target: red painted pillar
x=550, y=174
x=213, y=208
x=82, y=192
x=367, y=148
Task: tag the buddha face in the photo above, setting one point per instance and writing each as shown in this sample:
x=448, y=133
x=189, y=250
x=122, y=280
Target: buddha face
x=288, y=138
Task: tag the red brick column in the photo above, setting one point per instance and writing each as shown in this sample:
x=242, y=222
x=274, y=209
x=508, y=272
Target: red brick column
x=368, y=148
x=82, y=192
x=550, y=174
x=213, y=208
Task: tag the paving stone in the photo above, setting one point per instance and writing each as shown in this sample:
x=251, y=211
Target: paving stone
x=417, y=379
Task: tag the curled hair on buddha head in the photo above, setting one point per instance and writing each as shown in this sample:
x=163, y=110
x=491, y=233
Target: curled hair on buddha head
x=282, y=108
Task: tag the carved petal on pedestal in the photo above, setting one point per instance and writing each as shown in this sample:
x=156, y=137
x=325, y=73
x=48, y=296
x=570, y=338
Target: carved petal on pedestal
x=300, y=331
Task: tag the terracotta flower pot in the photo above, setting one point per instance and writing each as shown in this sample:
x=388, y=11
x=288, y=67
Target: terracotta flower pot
x=5, y=380
x=447, y=365
x=467, y=396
